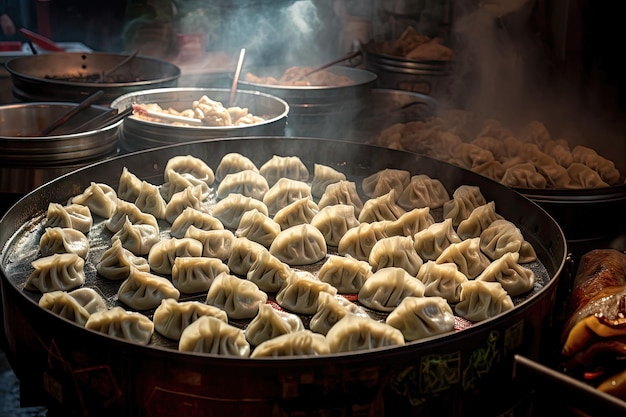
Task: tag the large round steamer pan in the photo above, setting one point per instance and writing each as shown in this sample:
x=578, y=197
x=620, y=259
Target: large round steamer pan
x=461, y=374
x=31, y=75
x=138, y=134
x=317, y=111
x=28, y=160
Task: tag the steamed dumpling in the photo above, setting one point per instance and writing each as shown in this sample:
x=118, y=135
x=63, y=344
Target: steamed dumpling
x=300, y=293
x=151, y=201
x=298, y=212
x=179, y=182
x=233, y=162
x=290, y=167
x=215, y=243
x=383, y=181
x=423, y=191
x=189, y=197
x=359, y=241
x=211, y=335
x=467, y=256
x=284, y=192
x=268, y=272
x=302, y=342
x=75, y=216
x=410, y=222
x=421, y=317
x=239, y=297
x=100, y=198
x=395, y=251
x=502, y=236
x=347, y=275
x=383, y=207
x=247, y=182
x=126, y=209
x=299, y=245
x=481, y=300
x=243, y=254
x=162, y=255
x=464, y=200
x=386, y=288
x=194, y=274
x=258, y=227
x=479, y=219
x=137, y=238
x=129, y=186
x=341, y=192
x=431, y=242
x=331, y=309
x=334, y=222
x=324, y=175
x=58, y=272
x=74, y=306
x=354, y=333
x=194, y=217
x=515, y=278
x=442, y=280
x=230, y=210
x=144, y=290
x=172, y=317
x=63, y=240
x=191, y=166
x=117, y=322
x=270, y=323
x=116, y=262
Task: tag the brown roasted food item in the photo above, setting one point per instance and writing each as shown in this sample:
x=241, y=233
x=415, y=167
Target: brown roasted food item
x=594, y=337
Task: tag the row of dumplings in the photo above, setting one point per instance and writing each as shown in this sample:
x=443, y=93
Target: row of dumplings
x=382, y=253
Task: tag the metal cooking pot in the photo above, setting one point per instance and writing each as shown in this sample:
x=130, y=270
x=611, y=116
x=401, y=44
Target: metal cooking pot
x=317, y=111
x=142, y=134
x=464, y=373
x=28, y=160
x=34, y=76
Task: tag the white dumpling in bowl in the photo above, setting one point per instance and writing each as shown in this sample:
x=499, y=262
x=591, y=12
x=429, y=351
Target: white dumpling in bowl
x=423, y=191
x=61, y=271
x=278, y=167
x=383, y=181
x=75, y=216
x=116, y=262
x=99, y=197
x=210, y=335
x=162, y=255
x=233, y=162
x=387, y=287
x=395, y=251
x=383, y=207
x=230, y=210
x=421, y=317
x=299, y=245
x=171, y=317
x=63, y=240
x=467, y=256
x=354, y=333
x=345, y=274
x=442, y=280
x=506, y=270
x=144, y=290
x=117, y=322
x=193, y=217
x=284, y=192
x=247, y=182
x=482, y=300
x=300, y=292
x=324, y=175
x=301, y=343
x=191, y=165
x=239, y=297
x=270, y=323
x=334, y=222
x=194, y=274
x=342, y=192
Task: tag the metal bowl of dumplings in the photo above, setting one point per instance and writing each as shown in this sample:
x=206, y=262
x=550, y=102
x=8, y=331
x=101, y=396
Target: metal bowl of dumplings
x=318, y=111
x=138, y=134
x=466, y=372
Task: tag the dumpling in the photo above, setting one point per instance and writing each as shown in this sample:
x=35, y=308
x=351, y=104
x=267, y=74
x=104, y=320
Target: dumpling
x=431, y=242
x=468, y=155
x=171, y=317
x=270, y=323
x=354, y=333
x=334, y=222
x=382, y=182
x=422, y=317
x=502, y=236
x=299, y=245
x=384, y=290
x=479, y=219
x=76, y=307
x=331, y=309
x=215, y=243
x=464, y=200
x=189, y=197
x=555, y=174
x=601, y=165
x=116, y=262
x=298, y=212
x=127, y=325
x=144, y=290
x=300, y=293
x=278, y=167
x=410, y=222
x=162, y=255
x=210, y=335
x=342, y=192
x=359, y=241
x=442, y=280
x=523, y=176
x=582, y=176
x=63, y=240
x=99, y=197
x=324, y=175
x=381, y=208
x=190, y=165
x=150, y=200
x=179, y=182
x=395, y=251
x=284, y=192
x=230, y=210
x=137, y=238
x=258, y=227
x=248, y=182
x=75, y=216
x=233, y=162
x=238, y=297
x=302, y=342
x=268, y=272
x=58, y=272
x=492, y=144
x=192, y=274
x=560, y=151
x=467, y=256
x=515, y=279
x=126, y=209
x=481, y=300
x=129, y=186
x=243, y=253
x=423, y=191
x=347, y=275
x=194, y=217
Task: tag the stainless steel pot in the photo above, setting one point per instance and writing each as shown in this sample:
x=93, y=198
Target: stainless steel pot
x=37, y=77
x=318, y=111
x=464, y=373
x=28, y=160
x=142, y=134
